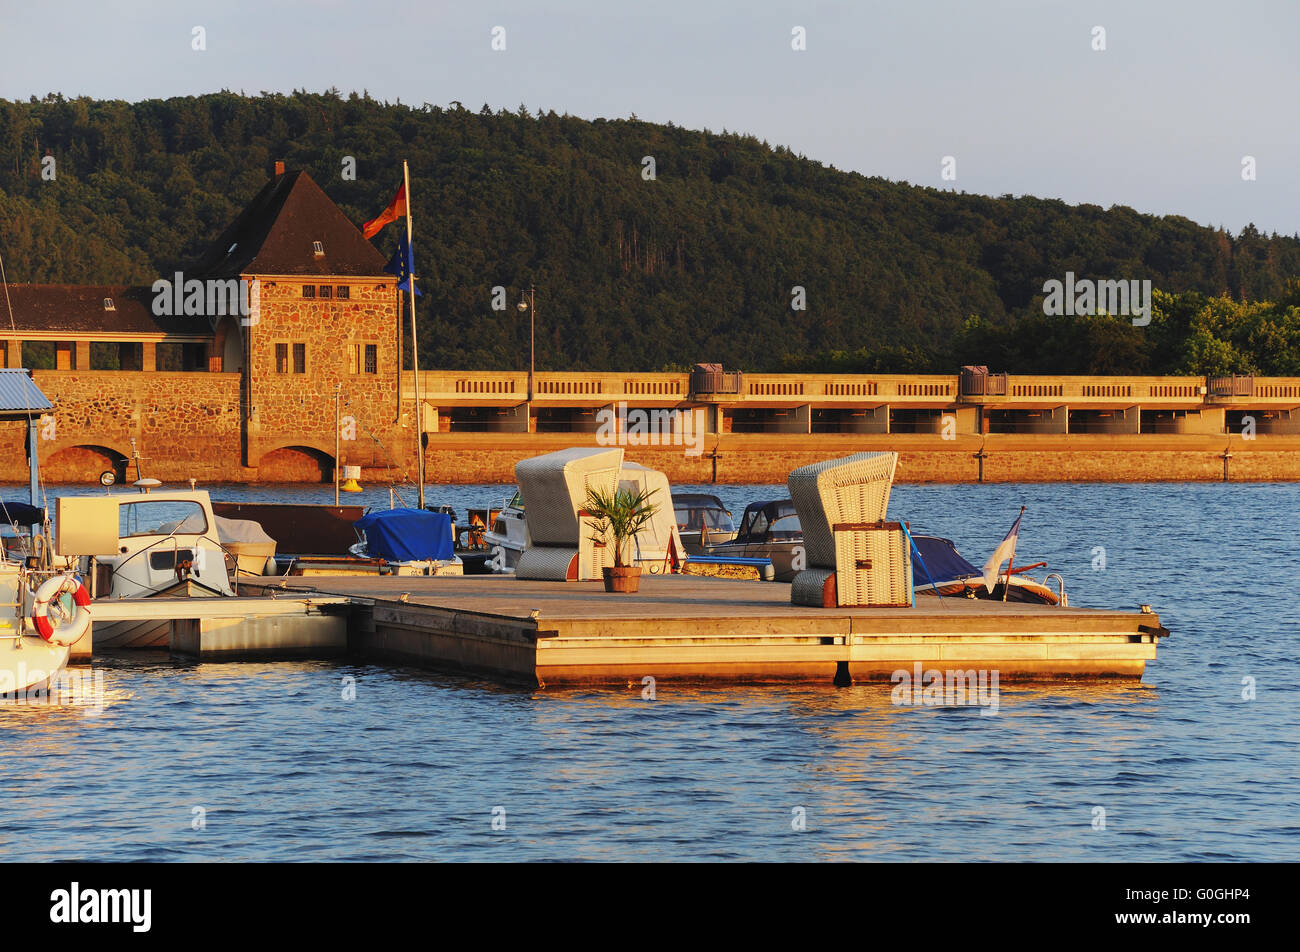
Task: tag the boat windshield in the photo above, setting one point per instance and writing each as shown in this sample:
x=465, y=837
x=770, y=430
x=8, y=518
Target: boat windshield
x=695, y=518
x=770, y=522
x=785, y=529
x=160, y=517
x=516, y=501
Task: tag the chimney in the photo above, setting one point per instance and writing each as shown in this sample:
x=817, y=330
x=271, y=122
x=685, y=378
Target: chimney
x=279, y=168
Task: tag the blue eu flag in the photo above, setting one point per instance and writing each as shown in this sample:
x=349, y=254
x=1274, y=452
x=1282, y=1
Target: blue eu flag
x=402, y=264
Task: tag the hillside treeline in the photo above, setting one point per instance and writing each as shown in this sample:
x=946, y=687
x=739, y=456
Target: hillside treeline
x=706, y=260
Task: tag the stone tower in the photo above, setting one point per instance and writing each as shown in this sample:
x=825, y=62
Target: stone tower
x=324, y=321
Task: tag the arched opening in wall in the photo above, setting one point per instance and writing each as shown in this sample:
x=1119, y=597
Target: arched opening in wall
x=83, y=464
x=295, y=464
x=229, y=346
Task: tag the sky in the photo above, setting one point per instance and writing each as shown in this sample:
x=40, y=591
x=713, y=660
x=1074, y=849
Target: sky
x=1016, y=92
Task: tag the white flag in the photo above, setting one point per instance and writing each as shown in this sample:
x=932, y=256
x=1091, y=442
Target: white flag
x=1005, y=551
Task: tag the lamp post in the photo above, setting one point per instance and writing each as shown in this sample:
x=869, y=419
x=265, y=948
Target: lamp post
x=528, y=302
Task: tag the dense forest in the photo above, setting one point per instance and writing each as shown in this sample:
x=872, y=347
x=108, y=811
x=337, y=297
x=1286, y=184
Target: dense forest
x=702, y=260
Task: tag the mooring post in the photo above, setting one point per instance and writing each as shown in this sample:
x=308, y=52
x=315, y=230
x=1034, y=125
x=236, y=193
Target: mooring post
x=1225, y=456
x=981, y=456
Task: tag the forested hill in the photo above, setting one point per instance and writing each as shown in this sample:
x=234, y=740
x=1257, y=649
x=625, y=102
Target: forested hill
x=697, y=263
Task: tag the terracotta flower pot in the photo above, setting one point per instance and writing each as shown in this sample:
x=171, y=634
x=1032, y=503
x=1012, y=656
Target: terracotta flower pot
x=625, y=578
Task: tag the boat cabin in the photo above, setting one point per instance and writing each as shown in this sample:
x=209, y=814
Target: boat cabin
x=144, y=543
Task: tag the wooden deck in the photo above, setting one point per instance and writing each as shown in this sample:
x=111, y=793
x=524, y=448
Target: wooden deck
x=706, y=628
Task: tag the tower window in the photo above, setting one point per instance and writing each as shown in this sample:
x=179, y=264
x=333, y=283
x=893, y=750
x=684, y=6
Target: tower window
x=309, y=290
x=343, y=292
x=300, y=358
x=365, y=358
x=109, y=305
x=282, y=358
x=325, y=291
x=318, y=249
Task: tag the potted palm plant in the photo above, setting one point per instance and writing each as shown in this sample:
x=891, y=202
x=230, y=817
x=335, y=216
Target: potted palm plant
x=620, y=514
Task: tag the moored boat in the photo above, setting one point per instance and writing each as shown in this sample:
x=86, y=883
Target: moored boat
x=768, y=530
x=939, y=569
x=30, y=660
x=702, y=520
x=408, y=542
x=144, y=545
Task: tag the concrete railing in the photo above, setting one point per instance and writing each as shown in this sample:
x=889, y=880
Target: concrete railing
x=494, y=388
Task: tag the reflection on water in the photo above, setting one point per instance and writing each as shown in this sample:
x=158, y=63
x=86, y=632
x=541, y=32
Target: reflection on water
x=281, y=765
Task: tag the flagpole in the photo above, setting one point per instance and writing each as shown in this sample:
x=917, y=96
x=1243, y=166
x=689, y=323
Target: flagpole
x=1006, y=587
x=415, y=351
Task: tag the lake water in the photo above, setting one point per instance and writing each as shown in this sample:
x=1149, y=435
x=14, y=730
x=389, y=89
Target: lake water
x=253, y=761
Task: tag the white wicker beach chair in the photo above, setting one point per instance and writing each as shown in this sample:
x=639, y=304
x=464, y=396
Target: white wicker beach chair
x=658, y=547
x=554, y=490
x=853, y=556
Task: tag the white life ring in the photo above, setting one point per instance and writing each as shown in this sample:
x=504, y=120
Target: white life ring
x=70, y=631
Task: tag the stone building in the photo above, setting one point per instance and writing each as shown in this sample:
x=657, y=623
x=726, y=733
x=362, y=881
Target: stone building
x=289, y=313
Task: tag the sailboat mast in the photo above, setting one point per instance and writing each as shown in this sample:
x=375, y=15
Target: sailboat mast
x=415, y=350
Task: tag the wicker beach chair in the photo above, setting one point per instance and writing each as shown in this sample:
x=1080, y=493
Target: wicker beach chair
x=853, y=556
x=554, y=490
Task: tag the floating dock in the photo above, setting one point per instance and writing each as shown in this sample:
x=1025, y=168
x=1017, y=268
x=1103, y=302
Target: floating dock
x=241, y=627
x=690, y=628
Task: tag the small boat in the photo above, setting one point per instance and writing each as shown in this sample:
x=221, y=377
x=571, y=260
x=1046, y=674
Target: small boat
x=940, y=569
x=702, y=520
x=508, y=536
x=407, y=542
x=28, y=661
x=768, y=530
x=153, y=543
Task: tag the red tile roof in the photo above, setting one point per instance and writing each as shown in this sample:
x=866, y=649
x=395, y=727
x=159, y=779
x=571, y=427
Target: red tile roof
x=78, y=309
x=275, y=235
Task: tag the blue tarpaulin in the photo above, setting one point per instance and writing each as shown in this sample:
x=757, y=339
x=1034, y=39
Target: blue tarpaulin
x=407, y=535
x=942, y=559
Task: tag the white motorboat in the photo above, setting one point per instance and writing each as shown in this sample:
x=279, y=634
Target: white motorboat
x=29, y=661
x=160, y=543
x=508, y=536
x=702, y=520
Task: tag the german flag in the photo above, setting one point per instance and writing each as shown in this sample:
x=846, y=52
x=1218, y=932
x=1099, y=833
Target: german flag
x=395, y=210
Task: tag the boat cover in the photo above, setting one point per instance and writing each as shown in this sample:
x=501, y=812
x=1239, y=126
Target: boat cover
x=942, y=560
x=21, y=514
x=407, y=535
x=228, y=530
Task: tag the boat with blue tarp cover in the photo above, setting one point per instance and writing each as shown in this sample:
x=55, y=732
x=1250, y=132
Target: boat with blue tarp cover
x=408, y=542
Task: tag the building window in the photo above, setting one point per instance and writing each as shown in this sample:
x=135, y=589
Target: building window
x=343, y=292
x=365, y=358
x=317, y=249
x=309, y=290
x=325, y=290
x=291, y=358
